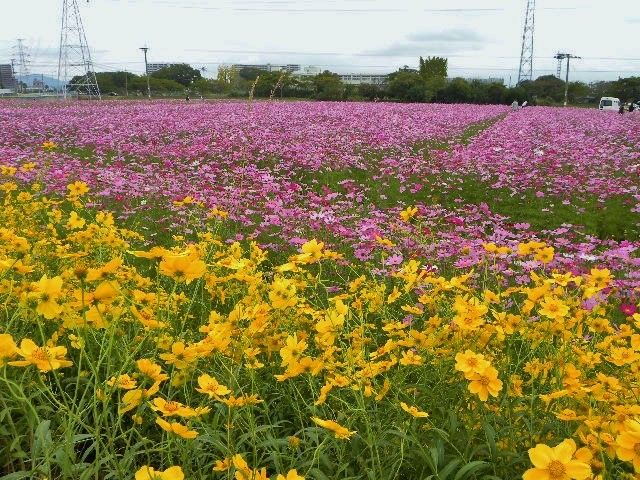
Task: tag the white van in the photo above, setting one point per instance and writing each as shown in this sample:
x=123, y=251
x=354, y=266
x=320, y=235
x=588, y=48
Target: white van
x=609, y=103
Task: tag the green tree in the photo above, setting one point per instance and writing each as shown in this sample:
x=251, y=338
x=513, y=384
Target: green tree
x=458, y=90
x=328, y=86
x=370, y=92
x=549, y=87
x=433, y=67
x=251, y=73
x=407, y=86
x=181, y=73
x=627, y=89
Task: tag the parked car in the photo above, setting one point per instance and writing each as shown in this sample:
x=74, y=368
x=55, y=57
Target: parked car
x=609, y=104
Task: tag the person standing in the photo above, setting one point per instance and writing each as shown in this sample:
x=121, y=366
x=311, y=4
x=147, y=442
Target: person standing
x=515, y=106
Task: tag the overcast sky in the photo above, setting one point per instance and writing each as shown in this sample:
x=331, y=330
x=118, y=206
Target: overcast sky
x=481, y=38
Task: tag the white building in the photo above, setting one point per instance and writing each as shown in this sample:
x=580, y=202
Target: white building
x=267, y=67
x=347, y=78
x=363, y=78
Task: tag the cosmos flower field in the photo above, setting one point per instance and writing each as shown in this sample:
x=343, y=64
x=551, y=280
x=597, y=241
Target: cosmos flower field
x=297, y=290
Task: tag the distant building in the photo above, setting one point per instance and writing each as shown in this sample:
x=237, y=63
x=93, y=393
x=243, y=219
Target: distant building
x=348, y=78
x=487, y=80
x=363, y=78
x=267, y=67
x=154, y=67
x=308, y=71
x=7, y=80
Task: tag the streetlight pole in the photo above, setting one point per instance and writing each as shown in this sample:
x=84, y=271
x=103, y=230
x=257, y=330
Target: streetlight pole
x=146, y=70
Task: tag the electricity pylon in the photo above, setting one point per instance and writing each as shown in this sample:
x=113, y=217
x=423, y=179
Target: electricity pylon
x=74, y=62
x=525, y=72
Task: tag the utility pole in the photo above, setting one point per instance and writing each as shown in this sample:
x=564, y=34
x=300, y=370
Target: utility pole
x=146, y=70
x=126, y=83
x=560, y=57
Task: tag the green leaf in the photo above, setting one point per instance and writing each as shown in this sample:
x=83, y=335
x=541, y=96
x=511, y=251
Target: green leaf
x=470, y=469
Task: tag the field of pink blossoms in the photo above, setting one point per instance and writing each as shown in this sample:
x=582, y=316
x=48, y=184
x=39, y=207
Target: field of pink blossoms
x=343, y=172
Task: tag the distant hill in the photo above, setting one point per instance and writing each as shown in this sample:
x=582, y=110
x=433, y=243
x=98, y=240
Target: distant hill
x=51, y=81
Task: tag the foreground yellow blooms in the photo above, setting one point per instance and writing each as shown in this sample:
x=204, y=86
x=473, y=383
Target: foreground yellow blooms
x=44, y=358
x=149, y=473
x=210, y=386
x=484, y=382
x=8, y=348
x=339, y=431
x=182, y=268
x=177, y=429
x=47, y=292
x=557, y=463
x=628, y=443
x=259, y=354
x=291, y=475
x=77, y=189
x=413, y=411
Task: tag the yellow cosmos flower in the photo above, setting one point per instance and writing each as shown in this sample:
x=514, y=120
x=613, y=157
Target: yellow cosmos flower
x=181, y=355
x=470, y=362
x=8, y=348
x=545, y=255
x=485, y=383
x=291, y=475
x=408, y=213
x=75, y=222
x=413, y=411
x=155, y=253
x=47, y=292
x=553, y=308
x=283, y=294
x=151, y=370
x=339, y=431
x=77, y=189
x=44, y=358
x=556, y=463
x=293, y=350
x=122, y=381
x=210, y=386
x=177, y=429
x=183, y=268
x=149, y=473
x=169, y=408
x=311, y=252
x=628, y=444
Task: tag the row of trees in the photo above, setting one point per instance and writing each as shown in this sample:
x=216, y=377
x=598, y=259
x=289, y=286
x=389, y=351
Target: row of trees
x=428, y=83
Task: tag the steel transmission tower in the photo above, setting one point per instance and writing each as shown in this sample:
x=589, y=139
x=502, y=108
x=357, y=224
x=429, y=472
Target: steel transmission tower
x=526, y=56
x=75, y=58
x=560, y=57
x=22, y=60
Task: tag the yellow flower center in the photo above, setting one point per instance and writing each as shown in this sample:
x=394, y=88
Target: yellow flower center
x=171, y=406
x=40, y=354
x=557, y=470
x=472, y=362
x=636, y=449
x=485, y=380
